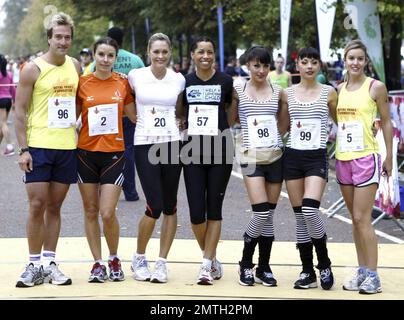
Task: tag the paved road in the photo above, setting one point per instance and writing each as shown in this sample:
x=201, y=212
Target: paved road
x=14, y=206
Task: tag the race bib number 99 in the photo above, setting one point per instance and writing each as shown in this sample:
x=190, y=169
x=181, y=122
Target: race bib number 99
x=306, y=134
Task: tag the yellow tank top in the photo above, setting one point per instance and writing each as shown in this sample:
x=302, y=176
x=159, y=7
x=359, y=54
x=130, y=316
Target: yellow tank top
x=50, y=122
x=356, y=112
x=279, y=79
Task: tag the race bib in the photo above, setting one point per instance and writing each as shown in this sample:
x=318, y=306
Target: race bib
x=306, y=134
x=103, y=119
x=203, y=120
x=159, y=121
x=350, y=136
x=262, y=131
x=61, y=112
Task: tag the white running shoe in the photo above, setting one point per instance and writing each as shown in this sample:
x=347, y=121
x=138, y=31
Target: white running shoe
x=159, y=274
x=140, y=268
x=205, y=277
x=217, y=269
x=54, y=276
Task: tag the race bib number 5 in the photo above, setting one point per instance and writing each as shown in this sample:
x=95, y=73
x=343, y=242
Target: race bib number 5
x=61, y=112
x=350, y=136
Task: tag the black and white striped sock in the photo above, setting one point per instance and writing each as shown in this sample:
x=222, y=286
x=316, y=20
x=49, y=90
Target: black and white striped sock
x=258, y=219
x=268, y=229
x=311, y=214
x=302, y=234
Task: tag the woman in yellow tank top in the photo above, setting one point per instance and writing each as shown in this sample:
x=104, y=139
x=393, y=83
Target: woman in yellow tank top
x=358, y=161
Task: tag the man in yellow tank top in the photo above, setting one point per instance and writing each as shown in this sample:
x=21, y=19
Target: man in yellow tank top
x=278, y=76
x=45, y=113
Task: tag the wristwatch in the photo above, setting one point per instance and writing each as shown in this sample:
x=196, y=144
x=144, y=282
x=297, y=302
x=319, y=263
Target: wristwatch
x=22, y=150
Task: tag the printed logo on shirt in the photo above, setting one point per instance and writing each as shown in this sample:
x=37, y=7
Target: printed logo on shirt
x=117, y=96
x=204, y=94
x=90, y=98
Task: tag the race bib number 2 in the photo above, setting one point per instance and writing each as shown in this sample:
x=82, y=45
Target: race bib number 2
x=103, y=119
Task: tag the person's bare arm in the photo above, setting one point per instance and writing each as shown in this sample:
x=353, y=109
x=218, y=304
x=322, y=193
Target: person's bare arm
x=379, y=93
x=28, y=77
x=232, y=109
x=77, y=66
x=180, y=113
x=283, y=113
x=130, y=112
x=332, y=103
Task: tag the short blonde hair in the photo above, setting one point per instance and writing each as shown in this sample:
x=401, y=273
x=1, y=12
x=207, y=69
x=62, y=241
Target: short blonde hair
x=158, y=37
x=59, y=19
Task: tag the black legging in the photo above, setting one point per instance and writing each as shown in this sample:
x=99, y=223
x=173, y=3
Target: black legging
x=206, y=185
x=159, y=182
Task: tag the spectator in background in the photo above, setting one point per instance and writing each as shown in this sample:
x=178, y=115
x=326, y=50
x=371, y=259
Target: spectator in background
x=7, y=97
x=339, y=67
x=291, y=67
x=230, y=68
x=279, y=76
x=371, y=72
x=86, y=58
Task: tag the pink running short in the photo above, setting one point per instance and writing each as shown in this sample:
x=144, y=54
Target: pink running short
x=359, y=172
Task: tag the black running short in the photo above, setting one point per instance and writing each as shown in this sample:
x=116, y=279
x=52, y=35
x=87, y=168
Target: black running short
x=272, y=173
x=6, y=103
x=299, y=164
x=100, y=167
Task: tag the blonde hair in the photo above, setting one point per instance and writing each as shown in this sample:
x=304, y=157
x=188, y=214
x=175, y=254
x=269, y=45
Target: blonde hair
x=158, y=37
x=351, y=45
x=59, y=19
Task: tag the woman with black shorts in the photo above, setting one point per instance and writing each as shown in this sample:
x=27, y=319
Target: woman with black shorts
x=305, y=165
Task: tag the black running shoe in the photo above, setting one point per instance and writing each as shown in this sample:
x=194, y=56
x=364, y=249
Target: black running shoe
x=306, y=281
x=326, y=278
x=246, y=276
x=265, y=277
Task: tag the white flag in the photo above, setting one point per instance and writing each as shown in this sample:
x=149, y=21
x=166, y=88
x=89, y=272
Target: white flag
x=325, y=11
x=286, y=6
